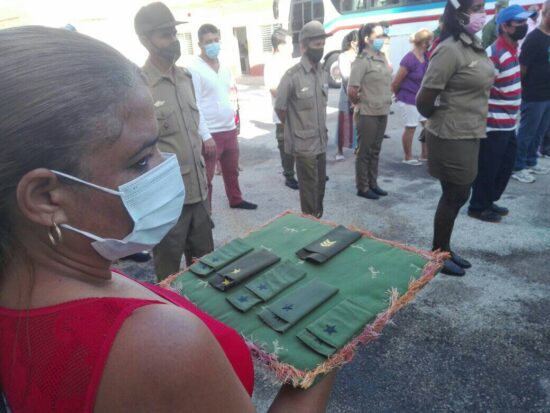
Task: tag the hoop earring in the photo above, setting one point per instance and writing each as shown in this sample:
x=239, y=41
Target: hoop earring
x=55, y=235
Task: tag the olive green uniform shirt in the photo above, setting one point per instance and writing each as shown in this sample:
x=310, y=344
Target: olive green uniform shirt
x=303, y=94
x=178, y=123
x=489, y=33
x=464, y=74
x=372, y=74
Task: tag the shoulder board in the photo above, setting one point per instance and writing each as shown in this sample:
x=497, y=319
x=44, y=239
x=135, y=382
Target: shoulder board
x=294, y=69
x=186, y=71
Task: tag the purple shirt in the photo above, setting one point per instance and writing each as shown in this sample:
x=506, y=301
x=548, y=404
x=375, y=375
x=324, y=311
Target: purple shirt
x=411, y=84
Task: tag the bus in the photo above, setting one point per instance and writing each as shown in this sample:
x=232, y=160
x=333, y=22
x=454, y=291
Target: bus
x=341, y=16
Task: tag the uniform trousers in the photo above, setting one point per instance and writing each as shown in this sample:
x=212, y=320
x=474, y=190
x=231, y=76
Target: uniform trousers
x=287, y=160
x=227, y=153
x=370, y=134
x=312, y=172
x=496, y=160
x=191, y=236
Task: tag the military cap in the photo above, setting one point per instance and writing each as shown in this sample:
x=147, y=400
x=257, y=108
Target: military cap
x=312, y=30
x=154, y=16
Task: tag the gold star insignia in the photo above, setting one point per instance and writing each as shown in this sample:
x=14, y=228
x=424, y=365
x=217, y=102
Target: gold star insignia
x=226, y=281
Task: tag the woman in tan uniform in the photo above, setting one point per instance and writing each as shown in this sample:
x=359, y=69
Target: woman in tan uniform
x=370, y=90
x=454, y=97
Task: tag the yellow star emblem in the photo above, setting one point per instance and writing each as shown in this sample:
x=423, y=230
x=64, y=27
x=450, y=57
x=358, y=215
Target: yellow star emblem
x=226, y=281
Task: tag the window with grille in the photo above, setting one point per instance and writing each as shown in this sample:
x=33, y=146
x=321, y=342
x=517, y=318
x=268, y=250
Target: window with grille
x=186, y=42
x=267, y=31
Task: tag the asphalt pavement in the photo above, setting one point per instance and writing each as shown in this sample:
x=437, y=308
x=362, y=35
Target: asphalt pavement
x=479, y=343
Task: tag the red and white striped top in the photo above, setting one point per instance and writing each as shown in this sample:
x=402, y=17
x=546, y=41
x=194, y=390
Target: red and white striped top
x=505, y=97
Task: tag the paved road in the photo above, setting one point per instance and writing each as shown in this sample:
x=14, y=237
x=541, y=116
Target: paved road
x=480, y=343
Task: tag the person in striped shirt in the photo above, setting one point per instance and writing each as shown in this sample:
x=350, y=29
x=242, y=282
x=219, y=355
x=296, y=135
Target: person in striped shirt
x=497, y=153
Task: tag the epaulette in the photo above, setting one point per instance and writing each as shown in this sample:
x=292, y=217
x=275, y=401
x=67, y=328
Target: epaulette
x=186, y=72
x=294, y=69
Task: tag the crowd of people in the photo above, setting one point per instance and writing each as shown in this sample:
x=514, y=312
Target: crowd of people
x=98, y=159
x=464, y=92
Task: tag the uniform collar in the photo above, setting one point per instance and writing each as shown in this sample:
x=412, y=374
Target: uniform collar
x=471, y=41
x=155, y=75
x=306, y=64
x=370, y=52
x=502, y=43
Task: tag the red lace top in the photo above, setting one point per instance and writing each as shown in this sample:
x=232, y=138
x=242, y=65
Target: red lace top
x=52, y=358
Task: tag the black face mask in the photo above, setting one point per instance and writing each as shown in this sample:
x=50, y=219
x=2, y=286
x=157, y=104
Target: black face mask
x=172, y=52
x=520, y=33
x=315, y=55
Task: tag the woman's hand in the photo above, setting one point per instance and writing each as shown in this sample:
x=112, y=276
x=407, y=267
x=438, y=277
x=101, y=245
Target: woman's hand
x=425, y=101
x=354, y=94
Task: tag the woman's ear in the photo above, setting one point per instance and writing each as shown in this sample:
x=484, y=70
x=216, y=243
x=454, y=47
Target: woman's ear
x=40, y=197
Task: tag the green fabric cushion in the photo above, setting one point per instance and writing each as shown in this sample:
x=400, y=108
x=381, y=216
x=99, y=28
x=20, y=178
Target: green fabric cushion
x=363, y=272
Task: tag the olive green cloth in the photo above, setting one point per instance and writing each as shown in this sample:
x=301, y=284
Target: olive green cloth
x=335, y=328
x=221, y=257
x=327, y=246
x=364, y=272
x=288, y=310
x=242, y=269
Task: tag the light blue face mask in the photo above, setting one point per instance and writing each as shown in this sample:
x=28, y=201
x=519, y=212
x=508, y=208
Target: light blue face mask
x=154, y=200
x=377, y=44
x=212, y=50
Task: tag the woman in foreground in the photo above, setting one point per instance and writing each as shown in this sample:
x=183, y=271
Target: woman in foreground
x=83, y=184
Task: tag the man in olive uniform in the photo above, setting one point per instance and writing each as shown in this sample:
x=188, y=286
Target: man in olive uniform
x=490, y=32
x=301, y=105
x=181, y=132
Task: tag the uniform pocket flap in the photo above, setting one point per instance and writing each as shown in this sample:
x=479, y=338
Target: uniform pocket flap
x=306, y=134
x=336, y=327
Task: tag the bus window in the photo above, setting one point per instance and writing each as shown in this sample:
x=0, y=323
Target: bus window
x=345, y=6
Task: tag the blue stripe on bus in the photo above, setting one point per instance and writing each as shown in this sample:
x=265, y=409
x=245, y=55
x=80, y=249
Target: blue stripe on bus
x=390, y=10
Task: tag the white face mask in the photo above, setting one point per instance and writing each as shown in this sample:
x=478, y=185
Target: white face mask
x=154, y=200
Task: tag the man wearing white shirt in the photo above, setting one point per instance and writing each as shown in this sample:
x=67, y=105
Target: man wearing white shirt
x=213, y=83
x=275, y=67
x=181, y=131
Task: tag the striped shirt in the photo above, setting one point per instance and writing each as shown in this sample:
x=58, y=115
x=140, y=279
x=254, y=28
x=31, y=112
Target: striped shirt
x=505, y=97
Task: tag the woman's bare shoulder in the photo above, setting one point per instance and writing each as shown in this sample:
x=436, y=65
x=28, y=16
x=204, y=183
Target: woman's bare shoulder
x=165, y=359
